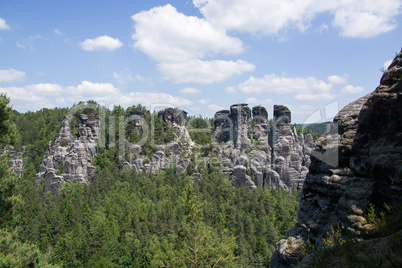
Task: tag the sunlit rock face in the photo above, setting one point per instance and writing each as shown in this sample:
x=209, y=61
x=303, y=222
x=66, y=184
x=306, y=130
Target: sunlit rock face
x=69, y=159
x=276, y=156
x=358, y=162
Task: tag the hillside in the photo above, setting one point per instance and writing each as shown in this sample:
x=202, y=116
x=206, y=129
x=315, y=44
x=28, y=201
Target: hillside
x=85, y=203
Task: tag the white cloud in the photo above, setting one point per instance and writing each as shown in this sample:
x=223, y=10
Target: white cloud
x=3, y=25
x=104, y=42
x=45, y=89
x=281, y=84
x=336, y=79
x=214, y=107
x=119, y=78
x=314, y=96
x=252, y=100
x=354, y=18
x=366, y=18
x=352, y=89
x=258, y=101
x=153, y=98
x=37, y=96
x=11, y=75
x=204, y=101
x=190, y=90
x=230, y=90
x=167, y=35
x=180, y=43
x=97, y=90
x=306, y=89
x=24, y=99
x=57, y=32
x=203, y=72
x=126, y=76
x=387, y=64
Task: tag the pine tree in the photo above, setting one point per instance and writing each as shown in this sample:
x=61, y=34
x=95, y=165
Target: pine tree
x=196, y=245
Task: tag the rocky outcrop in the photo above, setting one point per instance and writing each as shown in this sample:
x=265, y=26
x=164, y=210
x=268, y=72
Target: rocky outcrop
x=277, y=156
x=250, y=152
x=357, y=163
x=288, y=151
x=173, y=115
x=15, y=159
x=240, y=115
x=69, y=159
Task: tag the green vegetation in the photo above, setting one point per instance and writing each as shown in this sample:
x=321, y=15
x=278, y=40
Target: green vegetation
x=381, y=248
x=135, y=219
x=200, y=129
x=13, y=252
x=316, y=129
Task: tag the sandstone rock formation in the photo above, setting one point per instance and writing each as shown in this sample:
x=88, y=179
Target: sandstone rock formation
x=357, y=163
x=277, y=156
x=250, y=151
x=69, y=159
x=15, y=159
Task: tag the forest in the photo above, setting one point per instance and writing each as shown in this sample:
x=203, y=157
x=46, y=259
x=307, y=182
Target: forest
x=129, y=219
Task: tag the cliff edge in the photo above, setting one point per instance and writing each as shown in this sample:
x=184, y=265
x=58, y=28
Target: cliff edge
x=359, y=162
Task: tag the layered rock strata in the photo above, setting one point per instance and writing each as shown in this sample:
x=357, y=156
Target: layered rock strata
x=275, y=156
x=357, y=163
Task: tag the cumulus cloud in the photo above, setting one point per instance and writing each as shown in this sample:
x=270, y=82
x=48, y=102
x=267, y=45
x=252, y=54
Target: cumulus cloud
x=190, y=90
x=230, y=90
x=11, y=75
x=282, y=84
x=352, y=89
x=45, y=95
x=314, y=96
x=180, y=44
x=308, y=89
x=387, y=64
x=336, y=79
x=203, y=72
x=3, y=25
x=204, y=101
x=215, y=107
x=258, y=101
x=104, y=42
x=167, y=35
x=354, y=18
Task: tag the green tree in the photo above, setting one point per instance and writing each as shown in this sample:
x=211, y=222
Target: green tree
x=196, y=245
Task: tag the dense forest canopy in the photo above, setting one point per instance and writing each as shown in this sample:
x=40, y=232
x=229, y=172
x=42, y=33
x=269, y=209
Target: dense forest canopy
x=129, y=219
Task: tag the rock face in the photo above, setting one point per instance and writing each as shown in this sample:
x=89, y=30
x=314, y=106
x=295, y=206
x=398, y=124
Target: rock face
x=173, y=115
x=249, y=151
x=288, y=157
x=69, y=159
x=277, y=157
x=15, y=159
x=357, y=163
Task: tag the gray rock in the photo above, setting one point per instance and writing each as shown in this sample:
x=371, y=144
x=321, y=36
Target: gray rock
x=76, y=157
x=240, y=178
x=175, y=116
x=356, y=163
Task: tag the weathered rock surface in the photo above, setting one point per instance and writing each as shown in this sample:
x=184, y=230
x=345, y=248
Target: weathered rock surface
x=15, y=159
x=69, y=159
x=249, y=151
x=357, y=163
x=173, y=115
x=277, y=156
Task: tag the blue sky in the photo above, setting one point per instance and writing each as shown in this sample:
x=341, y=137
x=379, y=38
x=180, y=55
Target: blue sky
x=313, y=56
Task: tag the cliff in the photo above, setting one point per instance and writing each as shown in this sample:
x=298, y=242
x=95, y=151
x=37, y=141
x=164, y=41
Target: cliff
x=359, y=162
x=69, y=159
x=251, y=152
